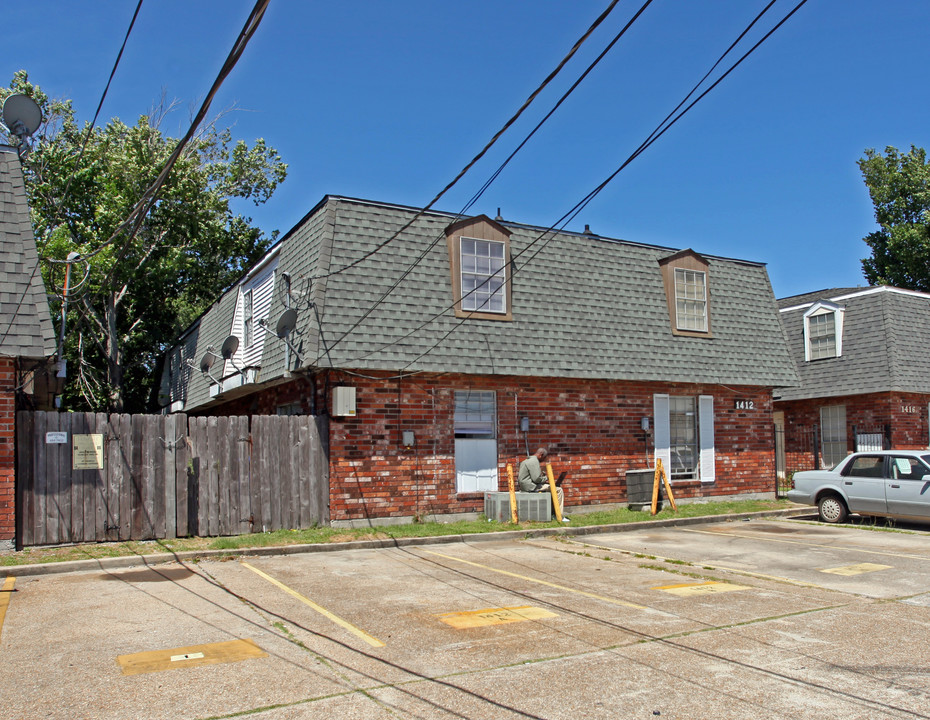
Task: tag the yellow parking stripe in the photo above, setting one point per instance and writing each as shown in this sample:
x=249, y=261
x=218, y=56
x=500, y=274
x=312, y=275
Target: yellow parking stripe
x=704, y=564
x=807, y=544
x=5, y=599
x=541, y=582
x=373, y=641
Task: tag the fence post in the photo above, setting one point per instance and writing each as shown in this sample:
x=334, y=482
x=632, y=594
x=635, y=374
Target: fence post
x=816, y=447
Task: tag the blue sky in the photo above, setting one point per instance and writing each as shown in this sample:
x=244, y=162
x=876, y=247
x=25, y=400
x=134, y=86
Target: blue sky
x=389, y=100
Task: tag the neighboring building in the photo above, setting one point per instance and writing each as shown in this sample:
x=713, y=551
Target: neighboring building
x=862, y=357
x=443, y=348
x=27, y=339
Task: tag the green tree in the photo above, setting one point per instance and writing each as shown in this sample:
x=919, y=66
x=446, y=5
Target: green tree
x=147, y=282
x=899, y=185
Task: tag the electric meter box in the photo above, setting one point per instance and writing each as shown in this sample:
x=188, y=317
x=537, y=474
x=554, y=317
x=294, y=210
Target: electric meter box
x=344, y=401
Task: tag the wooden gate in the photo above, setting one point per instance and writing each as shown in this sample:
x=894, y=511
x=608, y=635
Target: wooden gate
x=85, y=477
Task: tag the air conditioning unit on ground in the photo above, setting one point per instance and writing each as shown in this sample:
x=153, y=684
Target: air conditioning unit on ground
x=536, y=507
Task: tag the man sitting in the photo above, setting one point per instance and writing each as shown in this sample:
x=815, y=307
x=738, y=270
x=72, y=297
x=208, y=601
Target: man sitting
x=531, y=478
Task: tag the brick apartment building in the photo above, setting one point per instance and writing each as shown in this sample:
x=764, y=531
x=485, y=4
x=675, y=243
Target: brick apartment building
x=442, y=348
x=861, y=355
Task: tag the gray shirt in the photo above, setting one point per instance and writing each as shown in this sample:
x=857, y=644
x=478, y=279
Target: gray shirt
x=531, y=475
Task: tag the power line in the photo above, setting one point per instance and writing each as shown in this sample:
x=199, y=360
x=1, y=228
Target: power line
x=487, y=183
x=493, y=140
x=61, y=200
x=559, y=224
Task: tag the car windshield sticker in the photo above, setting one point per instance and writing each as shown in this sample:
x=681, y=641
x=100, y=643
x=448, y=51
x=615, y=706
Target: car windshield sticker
x=904, y=465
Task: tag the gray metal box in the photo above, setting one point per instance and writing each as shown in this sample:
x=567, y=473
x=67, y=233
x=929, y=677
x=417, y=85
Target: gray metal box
x=535, y=507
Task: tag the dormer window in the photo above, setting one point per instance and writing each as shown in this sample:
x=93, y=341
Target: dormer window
x=691, y=300
x=479, y=260
x=483, y=275
x=685, y=276
x=823, y=331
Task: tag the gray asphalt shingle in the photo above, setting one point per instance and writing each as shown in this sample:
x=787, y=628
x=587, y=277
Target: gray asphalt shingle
x=885, y=332
x=25, y=324
x=583, y=307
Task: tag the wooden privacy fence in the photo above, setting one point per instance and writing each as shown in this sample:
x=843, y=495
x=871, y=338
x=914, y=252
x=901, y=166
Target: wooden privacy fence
x=85, y=477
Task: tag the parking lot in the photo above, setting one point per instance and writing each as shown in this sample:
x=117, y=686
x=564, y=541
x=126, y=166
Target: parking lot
x=763, y=618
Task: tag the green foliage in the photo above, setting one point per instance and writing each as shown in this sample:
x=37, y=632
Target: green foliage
x=143, y=287
x=899, y=185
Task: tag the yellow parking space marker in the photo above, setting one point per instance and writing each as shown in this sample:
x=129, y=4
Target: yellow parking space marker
x=613, y=601
x=373, y=641
x=5, y=593
x=213, y=654
x=705, y=588
x=494, y=616
x=858, y=569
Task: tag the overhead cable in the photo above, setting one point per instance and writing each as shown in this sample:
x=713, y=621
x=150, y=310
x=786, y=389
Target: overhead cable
x=491, y=142
x=559, y=224
x=77, y=162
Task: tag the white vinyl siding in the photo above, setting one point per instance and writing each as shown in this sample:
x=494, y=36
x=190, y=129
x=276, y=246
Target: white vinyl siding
x=684, y=436
x=483, y=278
x=260, y=289
x=475, y=441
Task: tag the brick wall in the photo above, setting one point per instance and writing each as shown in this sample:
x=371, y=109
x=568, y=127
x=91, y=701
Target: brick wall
x=7, y=449
x=905, y=413
x=592, y=430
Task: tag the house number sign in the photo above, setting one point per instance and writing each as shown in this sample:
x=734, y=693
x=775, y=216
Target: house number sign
x=745, y=405
x=910, y=409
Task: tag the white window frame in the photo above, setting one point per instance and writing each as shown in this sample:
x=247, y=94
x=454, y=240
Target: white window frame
x=483, y=275
x=475, y=430
x=248, y=331
x=706, y=469
x=690, y=300
x=817, y=310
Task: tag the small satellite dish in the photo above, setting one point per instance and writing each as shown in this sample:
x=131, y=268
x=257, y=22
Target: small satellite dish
x=206, y=362
x=164, y=398
x=22, y=115
x=286, y=323
x=230, y=345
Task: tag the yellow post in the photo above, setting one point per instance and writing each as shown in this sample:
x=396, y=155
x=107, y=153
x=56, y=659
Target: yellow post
x=513, y=494
x=660, y=473
x=655, y=486
x=554, y=492
x=668, y=488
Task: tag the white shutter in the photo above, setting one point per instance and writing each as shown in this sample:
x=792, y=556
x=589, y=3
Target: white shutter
x=662, y=431
x=706, y=429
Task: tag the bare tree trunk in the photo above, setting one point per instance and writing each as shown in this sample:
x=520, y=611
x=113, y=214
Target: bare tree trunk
x=114, y=357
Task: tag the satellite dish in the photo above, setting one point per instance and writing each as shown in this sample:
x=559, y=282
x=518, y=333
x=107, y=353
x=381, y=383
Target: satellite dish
x=286, y=323
x=230, y=345
x=206, y=362
x=22, y=115
x=164, y=398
